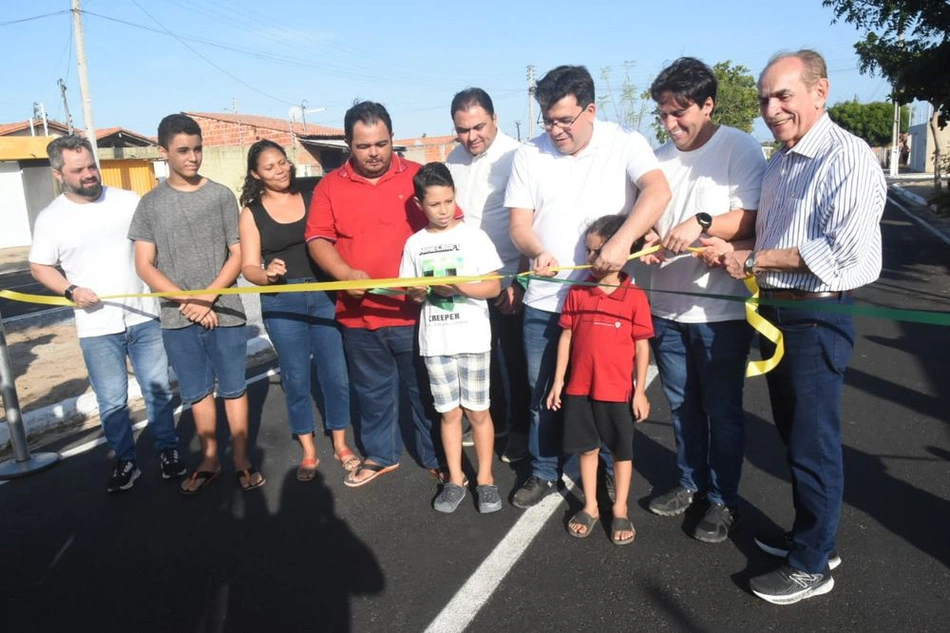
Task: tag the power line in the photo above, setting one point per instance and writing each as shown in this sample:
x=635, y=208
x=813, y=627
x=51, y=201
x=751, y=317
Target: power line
x=35, y=17
x=211, y=63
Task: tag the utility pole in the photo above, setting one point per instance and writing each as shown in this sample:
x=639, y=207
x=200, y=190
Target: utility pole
x=84, y=79
x=518, y=127
x=531, y=86
x=69, y=117
x=895, y=139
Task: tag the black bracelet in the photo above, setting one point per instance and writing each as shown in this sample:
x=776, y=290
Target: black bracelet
x=68, y=293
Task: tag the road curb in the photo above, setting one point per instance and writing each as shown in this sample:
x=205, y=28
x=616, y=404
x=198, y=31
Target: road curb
x=81, y=409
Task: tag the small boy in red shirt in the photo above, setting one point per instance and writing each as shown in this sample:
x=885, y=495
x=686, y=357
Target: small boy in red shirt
x=605, y=335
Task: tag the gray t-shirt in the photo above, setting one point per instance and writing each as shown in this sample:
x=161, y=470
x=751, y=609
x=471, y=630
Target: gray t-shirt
x=191, y=232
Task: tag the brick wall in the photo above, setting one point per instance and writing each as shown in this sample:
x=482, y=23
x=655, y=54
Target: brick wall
x=216, y=133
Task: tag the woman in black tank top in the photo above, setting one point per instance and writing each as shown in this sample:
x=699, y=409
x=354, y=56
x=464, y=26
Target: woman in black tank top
x=301, y=325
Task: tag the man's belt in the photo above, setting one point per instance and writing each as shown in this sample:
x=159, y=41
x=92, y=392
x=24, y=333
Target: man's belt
x=792, y=294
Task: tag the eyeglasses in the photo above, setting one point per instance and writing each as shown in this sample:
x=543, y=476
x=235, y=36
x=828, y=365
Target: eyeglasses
x=564, y=123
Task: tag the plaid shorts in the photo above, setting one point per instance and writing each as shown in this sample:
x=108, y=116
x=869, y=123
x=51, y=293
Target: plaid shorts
x=459, y=380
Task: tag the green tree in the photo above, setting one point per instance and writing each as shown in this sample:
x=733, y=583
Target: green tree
x=908, y=43
x=737, y=99
x=871, y=121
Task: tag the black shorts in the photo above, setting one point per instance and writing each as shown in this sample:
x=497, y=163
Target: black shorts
x=590, y=423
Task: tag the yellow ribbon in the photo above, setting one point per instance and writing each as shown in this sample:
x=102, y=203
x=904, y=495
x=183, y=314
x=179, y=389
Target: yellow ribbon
x=755, y=368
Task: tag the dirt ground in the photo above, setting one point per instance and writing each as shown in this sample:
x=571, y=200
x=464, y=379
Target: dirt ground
x=47, y=363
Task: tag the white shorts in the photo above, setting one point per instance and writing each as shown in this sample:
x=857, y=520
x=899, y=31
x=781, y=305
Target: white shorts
x=460, y=380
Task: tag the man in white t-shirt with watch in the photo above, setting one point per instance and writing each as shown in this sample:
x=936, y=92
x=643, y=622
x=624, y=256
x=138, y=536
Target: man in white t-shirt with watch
x=84, y=232
x=702, y=344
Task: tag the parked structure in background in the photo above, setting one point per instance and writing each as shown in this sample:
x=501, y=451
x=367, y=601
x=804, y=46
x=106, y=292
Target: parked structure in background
x=128, y=161
x=922, y=147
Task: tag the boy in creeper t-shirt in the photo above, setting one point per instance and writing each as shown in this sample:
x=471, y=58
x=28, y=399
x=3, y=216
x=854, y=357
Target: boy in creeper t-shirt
x=454, y=330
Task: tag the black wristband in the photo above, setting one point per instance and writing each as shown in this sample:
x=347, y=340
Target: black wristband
x=68, y=293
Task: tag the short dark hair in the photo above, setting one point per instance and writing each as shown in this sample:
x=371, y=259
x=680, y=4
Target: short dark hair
x=562, y=82
x=431, y=175
x=72, y=142
x=176, y=124
x=367, y=113
x=253, y=188
x=471, y=97
x=688, y=81
x=607, y=225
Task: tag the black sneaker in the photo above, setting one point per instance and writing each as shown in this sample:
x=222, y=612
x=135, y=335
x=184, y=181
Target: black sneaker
x=172, y=466
x=787, y=585
x=715, y=524
x=532, y=492
x=672, y=502
x=123, y=476
x=779, y=546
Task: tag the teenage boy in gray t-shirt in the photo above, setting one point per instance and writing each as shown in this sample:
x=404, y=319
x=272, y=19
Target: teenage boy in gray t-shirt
x=186, y=238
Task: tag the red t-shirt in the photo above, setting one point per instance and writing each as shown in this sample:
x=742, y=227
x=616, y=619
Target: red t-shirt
x=604, y=328
x=369, y=224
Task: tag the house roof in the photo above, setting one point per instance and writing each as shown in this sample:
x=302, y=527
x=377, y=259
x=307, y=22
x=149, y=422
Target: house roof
x=115, y=134
x=272, y=123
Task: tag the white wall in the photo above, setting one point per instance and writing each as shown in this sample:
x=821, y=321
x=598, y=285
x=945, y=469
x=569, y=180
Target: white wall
x=14, y=218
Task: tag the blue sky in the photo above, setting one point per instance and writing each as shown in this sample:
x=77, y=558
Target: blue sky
x=148, y=58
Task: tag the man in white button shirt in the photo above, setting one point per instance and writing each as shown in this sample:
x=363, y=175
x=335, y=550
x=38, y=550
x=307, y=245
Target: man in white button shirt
x=84, y=231
x=480, y=166
x=578, y=170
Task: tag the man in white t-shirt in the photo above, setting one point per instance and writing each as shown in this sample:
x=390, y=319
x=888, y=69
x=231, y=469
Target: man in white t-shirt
x=480, y=166
x=578, y=170
x=84, y=232
x=702, y=344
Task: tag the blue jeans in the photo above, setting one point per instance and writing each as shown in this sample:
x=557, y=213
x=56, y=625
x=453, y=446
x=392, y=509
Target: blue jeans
x=309, y=345
x=105, y=361
x=702, y=369
x=541, y=333
x=805, y=392
x=385, y=366
x=510, y=395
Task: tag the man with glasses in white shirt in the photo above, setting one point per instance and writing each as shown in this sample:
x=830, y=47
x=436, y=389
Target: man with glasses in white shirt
x=578, y=170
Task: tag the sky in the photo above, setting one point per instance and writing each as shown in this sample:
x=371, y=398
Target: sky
x=149, y=58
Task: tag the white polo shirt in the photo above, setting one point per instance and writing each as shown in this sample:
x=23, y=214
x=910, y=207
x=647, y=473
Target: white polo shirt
x=90, y=241
x=480, y=183
x=568, y=192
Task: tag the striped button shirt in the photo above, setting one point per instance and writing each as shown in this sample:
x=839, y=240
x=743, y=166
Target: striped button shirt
x=825, y=195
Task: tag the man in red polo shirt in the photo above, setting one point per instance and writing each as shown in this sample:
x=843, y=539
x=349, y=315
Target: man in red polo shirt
x=360, y=218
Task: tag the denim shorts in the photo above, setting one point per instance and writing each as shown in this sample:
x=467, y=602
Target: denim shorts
x=459, y=380
x=199, y=355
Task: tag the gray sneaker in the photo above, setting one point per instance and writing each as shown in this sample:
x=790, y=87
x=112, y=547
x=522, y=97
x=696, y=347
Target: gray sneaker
x=467, y=439
x=672, y=502
x=516, y=449
x=715, y=525
x=489, y=500
x=449, y=499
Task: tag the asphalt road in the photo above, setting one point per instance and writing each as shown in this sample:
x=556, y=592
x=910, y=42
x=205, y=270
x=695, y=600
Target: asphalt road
x=21, y=281
x=322, y=557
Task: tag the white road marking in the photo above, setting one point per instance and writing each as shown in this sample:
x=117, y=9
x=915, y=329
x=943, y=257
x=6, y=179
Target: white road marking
x=461, y=611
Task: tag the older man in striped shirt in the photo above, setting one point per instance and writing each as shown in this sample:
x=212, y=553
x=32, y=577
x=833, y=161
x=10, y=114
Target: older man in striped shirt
x=817, y=238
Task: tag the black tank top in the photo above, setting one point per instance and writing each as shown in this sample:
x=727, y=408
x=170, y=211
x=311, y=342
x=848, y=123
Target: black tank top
x=286, y=242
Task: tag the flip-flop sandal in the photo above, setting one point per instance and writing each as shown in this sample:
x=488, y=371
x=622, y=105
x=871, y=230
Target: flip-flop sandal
x=307, y=469
x=375, y=471
x=621, y=524
x=348, y=460
x=198, y=480
x=584, y=520
x=247, y=479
